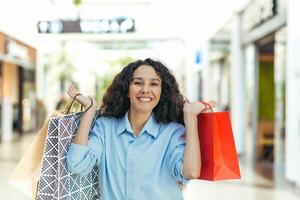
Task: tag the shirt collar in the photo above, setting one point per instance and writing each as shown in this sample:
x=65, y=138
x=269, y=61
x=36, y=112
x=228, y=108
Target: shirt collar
x=150, y=127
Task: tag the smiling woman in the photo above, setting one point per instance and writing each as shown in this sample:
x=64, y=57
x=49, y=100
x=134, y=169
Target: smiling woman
x=145, y=140
x=140, y=77
x=144, y=94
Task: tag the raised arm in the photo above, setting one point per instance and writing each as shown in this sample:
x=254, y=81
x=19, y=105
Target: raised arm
x=192, y=155
x=81, y=136
x=87, y=145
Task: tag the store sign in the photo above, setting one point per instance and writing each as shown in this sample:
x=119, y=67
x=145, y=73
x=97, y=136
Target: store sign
x=117, y=25
x=258, y=12
x=16, y=50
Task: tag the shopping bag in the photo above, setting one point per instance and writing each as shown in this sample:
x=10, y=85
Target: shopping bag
x=219, y=159
x=56, y=182
x=26, y=173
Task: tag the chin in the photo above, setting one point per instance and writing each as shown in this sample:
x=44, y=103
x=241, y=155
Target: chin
x=143, y=109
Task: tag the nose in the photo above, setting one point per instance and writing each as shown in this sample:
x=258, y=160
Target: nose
x=145, y=89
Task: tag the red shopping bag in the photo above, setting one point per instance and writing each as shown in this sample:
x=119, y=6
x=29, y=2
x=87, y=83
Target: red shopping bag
x=219, y=159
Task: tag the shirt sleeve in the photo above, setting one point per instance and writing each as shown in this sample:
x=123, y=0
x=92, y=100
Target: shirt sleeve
x=175, y=155
x=81, y=159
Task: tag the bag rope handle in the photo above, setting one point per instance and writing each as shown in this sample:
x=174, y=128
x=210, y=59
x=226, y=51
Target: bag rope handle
x=69, y=108
x=86, y=109
x=206, y=105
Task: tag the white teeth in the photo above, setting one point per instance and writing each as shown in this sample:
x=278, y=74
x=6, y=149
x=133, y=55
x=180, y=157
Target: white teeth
x=145, y=99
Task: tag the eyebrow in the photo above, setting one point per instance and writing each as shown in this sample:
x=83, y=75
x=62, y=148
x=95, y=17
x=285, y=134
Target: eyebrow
x=152, y=79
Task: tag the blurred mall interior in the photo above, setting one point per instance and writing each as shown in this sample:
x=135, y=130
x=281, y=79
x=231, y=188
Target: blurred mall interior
x=242, y=53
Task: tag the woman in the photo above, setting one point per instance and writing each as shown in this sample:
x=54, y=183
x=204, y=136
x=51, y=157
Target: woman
x=139, y=142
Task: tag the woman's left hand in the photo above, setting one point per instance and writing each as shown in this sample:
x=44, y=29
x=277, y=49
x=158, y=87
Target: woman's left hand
x=196, y=107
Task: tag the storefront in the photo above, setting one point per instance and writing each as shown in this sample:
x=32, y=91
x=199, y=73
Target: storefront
x=263, y=43
x=264, y=82
x=17, y=66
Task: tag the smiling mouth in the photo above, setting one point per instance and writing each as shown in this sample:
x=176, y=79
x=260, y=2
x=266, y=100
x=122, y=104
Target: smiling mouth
x=144, y=99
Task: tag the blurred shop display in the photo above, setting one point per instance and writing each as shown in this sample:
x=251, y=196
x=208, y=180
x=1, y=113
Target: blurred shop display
x=249, y=69
x=219, y=61
x=18, y=93
x=83, y=64
x=60, y=64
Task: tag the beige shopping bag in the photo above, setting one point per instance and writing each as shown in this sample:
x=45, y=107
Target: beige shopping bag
x=26, y=173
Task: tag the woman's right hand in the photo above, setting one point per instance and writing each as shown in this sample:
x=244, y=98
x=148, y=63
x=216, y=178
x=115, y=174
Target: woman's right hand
x=83, y=100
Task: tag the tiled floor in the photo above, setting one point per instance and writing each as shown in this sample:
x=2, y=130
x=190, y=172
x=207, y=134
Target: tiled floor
x=10, y=154
x=251, y=186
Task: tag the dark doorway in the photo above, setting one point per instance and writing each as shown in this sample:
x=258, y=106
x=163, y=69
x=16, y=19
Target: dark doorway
x=266, y=107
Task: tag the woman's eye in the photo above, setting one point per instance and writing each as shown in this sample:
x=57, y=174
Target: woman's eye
x=154, y=84
x=137, y=83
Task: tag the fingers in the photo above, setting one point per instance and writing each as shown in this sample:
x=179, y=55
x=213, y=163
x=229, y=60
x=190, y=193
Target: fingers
x=209, y=104
x=212, y=103
x=69, y=91
x=83, y=100
x=72, y=91
x=185, y=99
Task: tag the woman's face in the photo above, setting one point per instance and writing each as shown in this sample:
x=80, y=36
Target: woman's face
x=144, y=90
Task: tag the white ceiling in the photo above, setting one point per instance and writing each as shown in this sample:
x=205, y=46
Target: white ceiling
x=193, y=20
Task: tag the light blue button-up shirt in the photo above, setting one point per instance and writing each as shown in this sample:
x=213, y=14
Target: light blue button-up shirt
x=144, y=167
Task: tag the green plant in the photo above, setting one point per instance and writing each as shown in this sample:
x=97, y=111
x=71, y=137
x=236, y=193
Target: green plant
x=266, y=97
x=77, y=2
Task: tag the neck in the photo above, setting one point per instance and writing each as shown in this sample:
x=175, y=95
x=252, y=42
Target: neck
x=137, y=120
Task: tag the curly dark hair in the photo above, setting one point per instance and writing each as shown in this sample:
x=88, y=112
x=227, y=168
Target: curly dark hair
x=170, y=106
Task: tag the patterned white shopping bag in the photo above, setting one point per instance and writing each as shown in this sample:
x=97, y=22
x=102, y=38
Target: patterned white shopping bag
x=56, y=182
